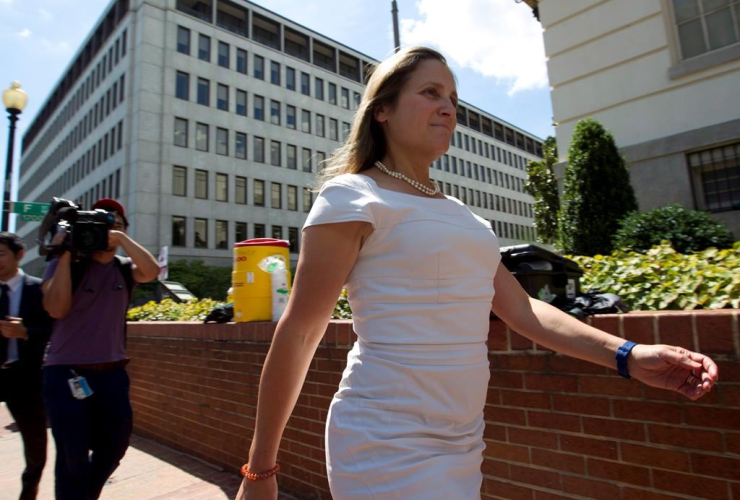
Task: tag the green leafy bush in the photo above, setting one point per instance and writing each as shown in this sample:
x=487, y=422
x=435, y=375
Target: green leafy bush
x=169, y=310
x=342, y=309
x=665, y=279
x=687, y=230
x=543, y=186
x=202, y=280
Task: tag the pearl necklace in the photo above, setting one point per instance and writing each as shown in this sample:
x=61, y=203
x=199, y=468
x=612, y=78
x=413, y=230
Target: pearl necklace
x=415, y=184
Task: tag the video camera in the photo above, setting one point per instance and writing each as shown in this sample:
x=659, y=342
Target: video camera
x=88, y=230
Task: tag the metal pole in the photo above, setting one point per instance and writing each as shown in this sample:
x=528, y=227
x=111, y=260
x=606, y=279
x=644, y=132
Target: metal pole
x=12, y=117
x=396, y=36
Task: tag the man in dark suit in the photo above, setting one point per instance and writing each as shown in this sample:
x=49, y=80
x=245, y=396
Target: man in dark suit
x=25, y=328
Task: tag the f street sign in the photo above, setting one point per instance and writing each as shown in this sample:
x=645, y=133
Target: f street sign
x=30, y=211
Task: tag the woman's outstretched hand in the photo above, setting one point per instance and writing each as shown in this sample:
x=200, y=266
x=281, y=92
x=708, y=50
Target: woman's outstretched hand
x=675, y=368
x=265, y=489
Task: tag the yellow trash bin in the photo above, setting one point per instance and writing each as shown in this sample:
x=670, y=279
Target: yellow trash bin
x=250, y=284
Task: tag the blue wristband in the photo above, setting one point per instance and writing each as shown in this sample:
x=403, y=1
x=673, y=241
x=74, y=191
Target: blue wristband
x=622, y=354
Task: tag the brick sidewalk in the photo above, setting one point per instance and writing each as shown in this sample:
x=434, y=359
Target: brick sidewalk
x=148, y=471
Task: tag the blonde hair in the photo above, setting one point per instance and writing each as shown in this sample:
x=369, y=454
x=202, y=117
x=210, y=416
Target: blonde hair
x=366, y=143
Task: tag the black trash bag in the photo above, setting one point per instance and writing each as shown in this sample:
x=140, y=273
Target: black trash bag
x=221, y=314
x=594, y=302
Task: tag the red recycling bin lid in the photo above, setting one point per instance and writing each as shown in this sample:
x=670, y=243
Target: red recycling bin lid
x=263, y=242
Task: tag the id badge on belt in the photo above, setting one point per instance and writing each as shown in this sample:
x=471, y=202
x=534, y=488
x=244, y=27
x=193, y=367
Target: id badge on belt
x=79, y=386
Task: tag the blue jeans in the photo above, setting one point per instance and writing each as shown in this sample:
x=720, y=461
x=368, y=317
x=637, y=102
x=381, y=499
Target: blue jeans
x=91, y=434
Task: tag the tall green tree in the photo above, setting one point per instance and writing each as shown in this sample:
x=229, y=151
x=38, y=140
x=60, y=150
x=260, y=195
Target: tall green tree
x=541, y=184
x=597, y=193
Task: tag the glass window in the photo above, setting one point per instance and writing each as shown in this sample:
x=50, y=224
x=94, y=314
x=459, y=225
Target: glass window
x=275, y=153
x=222, y=187
x=319, y=125
x=289, y=78
x=201, y=137
x=716, y=174
x=306, y=160
x=705, y=26
x=181, y=132
x=240, y=231
x=305, y=84
x=241, y=61
x=183, y=40
x=276, y=200
x=222, y=97
x=275, y=73
x=345, y=130
x=333, y=129
x=201, y=233
x=291, y=157
x=259, y=107
x=332, y=93
x=277, y=232
x=305, y=121
x=290, y=116
x=204, y=92
x=241, y=103
x=223, y=54
x=178, y=231
x=307, y=199
x=356, y=100
x=179, y=181
x=275, y=112
x=293, y=239
x=222, y=234
x=204, y=48
x=345, y=98
x=320, y=159
x=259, y=67
x=318, y=88
x=240, y=193
x=201, y=184
x=240, y=145
x=222, y=141
x=259, y=195
x=293, y=198
x=259, y=230
x=182, y=86
x=258, y=150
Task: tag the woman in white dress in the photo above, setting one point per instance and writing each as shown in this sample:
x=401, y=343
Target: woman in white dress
x=422, y=273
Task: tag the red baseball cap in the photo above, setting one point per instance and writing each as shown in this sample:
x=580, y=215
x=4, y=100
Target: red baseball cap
x=111, y=205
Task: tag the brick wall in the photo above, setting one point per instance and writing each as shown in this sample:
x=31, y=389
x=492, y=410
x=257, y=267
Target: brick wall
x=556, y=427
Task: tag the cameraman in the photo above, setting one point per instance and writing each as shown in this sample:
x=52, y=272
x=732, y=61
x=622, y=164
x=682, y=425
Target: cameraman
x=85, y=382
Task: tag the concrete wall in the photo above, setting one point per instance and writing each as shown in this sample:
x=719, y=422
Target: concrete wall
x=555, y=427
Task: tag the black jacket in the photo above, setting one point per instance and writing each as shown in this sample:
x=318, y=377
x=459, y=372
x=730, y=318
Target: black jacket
x=38, y=325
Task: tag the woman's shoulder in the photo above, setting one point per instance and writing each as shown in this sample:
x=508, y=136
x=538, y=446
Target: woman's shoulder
x=356, y=181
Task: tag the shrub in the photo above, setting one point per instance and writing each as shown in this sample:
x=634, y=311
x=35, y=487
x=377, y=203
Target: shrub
x=665, y=279
x=687, y=230
x=596, y=192
x=169, y=310
x=541, y=184
x=202, y=280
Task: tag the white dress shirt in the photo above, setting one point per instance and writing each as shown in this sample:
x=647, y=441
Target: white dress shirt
x=15, y=284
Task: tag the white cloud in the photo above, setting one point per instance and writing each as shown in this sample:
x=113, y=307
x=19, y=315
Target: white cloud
x=6, y=2
x=26, y=33
x=496, y=38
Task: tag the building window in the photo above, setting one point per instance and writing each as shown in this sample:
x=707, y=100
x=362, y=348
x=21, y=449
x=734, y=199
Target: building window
x=240, y=145
x=716, y=174
x=259, y=67
x=240, y=231
x=222, y=234
x=345, y=98
x=259, y=108
x=274, y=73
x=223, y=54
x=275, y=112
x=319, y=125
x=705, y=26
x=289, y=78
x=293, y=239
x=305, y=84
x=222, y=97
x=293, y=198
x=201, y=233
x=332, y=93
x=179, y=181
x=222, y=187
x=345, y=130
x=291, y=157
x=201, y=137
x=204, y=92
x=306, y=160
x=320, y=159
x=307, y=199
x=275, y=153
x=240, y=192
x=258, y=150
x=277, y=232
x=241, y=61
x=259, y=230
x=241, y=103
x=258, y=187
x=356, y=100
x=318, y=88
x=290, y=116
x=182, y=86
x=222, y=141
x=204, y=48
x=178, y=231
x=276, y=191
x=201, y=184
x=181, y=132
x=305, y=121
x=183, y=40
x=333, y=129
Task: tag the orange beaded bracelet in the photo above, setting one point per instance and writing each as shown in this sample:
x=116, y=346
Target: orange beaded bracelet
x=252, y=476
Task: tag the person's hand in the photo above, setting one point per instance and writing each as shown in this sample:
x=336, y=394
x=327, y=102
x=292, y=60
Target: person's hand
x=12, y=328
x=114, y=238
x=675, y=368
x=58, y=238
x=265, y=489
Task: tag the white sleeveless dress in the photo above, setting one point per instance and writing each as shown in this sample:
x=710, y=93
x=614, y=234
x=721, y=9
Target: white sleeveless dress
x=407, y=420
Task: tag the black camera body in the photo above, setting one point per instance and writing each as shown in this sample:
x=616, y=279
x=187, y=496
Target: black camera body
x=88, y=230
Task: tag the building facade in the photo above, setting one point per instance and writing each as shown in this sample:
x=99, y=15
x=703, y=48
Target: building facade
x=208, y=119
x=663, y=76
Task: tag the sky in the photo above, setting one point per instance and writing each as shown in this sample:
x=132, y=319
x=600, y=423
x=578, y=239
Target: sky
x=494, y=47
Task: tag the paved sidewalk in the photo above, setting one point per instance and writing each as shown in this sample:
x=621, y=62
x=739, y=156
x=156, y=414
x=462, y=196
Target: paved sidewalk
x=148, y=471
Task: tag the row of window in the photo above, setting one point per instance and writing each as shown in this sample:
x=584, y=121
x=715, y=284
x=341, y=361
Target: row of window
x=486, y=150
x=513, y=231
x=490, y=175
x=489, y=201
x=221, y=233
x=95, y=116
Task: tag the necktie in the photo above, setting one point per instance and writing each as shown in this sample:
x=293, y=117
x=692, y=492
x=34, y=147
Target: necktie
x=4, y=311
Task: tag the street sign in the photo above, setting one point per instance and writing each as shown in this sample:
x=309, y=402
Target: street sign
x=32, y=218
x=30, y=209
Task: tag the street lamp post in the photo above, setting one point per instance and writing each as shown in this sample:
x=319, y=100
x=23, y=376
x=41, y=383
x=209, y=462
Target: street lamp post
x=14, y=100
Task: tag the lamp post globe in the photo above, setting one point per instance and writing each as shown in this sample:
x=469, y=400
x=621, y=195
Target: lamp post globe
x=15, y=101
